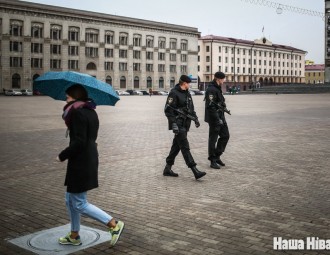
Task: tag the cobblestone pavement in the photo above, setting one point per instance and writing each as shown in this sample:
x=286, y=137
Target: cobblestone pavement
x=275, y=182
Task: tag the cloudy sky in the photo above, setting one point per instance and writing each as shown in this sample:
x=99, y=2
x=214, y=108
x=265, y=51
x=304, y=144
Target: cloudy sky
x=230, y=18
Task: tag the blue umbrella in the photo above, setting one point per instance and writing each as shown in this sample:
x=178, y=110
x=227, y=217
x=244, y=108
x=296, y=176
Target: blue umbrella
x=54, y=84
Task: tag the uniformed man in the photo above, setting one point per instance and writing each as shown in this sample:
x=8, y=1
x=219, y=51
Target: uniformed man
x=218, y=128
x=180, y=99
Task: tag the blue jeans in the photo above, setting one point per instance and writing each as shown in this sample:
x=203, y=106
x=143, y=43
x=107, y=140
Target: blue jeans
x=77, y=204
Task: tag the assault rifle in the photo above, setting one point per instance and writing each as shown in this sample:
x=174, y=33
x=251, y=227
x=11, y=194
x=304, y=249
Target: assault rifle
x=181, y=113
x=220, y=107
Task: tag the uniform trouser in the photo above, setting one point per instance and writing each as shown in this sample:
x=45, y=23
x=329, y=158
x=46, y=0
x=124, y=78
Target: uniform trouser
x=180, y=142
x=218, y=139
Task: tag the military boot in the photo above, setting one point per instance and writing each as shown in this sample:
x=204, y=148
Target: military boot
x=219, y=161
x=168, y=171
x=214, y=164
x=198, y=174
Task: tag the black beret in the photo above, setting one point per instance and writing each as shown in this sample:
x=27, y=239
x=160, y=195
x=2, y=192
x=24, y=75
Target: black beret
x=185, y=78
x=219, y=75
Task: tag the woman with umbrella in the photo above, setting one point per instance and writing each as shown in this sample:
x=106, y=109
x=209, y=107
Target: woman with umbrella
x=82, y=168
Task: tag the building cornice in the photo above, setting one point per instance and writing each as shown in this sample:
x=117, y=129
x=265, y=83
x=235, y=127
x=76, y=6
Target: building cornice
x=62, y=13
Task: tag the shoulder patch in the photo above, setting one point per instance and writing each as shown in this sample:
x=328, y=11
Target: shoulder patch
x=170, y=100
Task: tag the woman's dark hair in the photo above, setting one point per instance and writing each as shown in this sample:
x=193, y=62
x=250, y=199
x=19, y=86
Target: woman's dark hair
x=77, y=92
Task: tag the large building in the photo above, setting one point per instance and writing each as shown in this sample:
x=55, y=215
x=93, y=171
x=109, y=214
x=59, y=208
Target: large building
x=125, y=52
x=327, y=41
x=314, y=74
x=249, y=62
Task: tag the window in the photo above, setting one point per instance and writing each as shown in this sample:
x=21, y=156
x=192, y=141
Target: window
x=91, y=66
x=173, y=68
x=226, y=60
x=161, y=82
x=36, y=48
x=108, y=80
x=161, y=68
x=172, y=82
x=108, y=66
x=173, y=44
x=172, y=57
x=184, y=45
x=15, y=62
x=92, y=35
x=108, y=53
x=136, y=66
x=219, y=58
x=207, y=68
x=108, y=37
x=91, y=52
x=122, y=66
x=149, y=67
x=207, y=58
x=149, y=82
x=150, y=41
x=183, y=69
x=16, y=28
x=123, y=53
x=183, y=58
x=136, y=54
x=136, y=82
x=73, y=50
x=36, y=30
x=137, y=40
x=149, y=55
x=56, y=32
x=226, y=49
x=73, y=34
x=219, y=48
x=73, y=64
x=55, y=49
x=36, y=62
x=161, y=56
x=161, y=43
x=55, y=63
x=122, y=82
x=123, y=39
x=207, y=48
x=16, y=46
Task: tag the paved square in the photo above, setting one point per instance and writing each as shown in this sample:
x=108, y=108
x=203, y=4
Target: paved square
x=275, y=182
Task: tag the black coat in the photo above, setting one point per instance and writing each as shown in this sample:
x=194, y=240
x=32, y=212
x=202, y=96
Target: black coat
x=179, y=99
x=212, y=114
x=82, y=154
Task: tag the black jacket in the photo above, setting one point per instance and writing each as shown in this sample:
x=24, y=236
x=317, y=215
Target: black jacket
x=214, y=93
x=82, y=155
x=179, y=99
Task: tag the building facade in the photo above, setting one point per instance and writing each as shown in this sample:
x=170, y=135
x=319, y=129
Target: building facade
x=247, y=63
x=125, y=52
x=314, y=74
x=327, y=41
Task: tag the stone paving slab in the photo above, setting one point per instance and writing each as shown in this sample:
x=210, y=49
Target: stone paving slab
x=275, y=182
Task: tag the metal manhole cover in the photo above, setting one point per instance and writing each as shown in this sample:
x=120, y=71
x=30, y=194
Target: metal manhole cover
x=46, y=242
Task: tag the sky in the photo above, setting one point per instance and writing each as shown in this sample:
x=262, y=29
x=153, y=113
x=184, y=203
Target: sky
x=239, y=19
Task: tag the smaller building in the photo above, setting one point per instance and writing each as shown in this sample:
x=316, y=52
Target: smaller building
x=314, y=74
